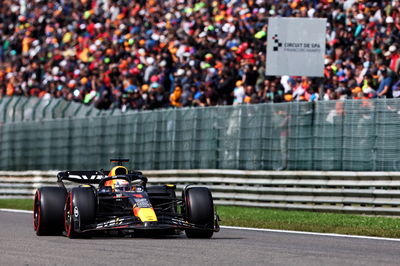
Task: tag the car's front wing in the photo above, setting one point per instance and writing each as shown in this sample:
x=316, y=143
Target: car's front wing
x=132, y=223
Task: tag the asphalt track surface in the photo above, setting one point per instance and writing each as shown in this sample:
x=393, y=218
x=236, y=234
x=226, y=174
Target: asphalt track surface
x=20, y=246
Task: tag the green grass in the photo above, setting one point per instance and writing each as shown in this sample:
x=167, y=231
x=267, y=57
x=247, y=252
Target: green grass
x=310, y=221
x=286, y=220
x=19, y=204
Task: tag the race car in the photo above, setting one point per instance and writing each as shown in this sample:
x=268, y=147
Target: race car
x=121, y=201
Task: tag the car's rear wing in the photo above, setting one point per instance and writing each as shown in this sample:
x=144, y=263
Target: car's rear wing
x=93, y=177
x=81, y=177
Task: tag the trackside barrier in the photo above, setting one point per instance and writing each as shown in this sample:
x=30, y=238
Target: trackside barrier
x=360, y=192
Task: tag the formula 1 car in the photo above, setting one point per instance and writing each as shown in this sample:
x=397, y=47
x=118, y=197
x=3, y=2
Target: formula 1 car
x=121, y=201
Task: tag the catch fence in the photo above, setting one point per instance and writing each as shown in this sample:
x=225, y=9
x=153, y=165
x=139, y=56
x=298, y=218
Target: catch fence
x=354, y=135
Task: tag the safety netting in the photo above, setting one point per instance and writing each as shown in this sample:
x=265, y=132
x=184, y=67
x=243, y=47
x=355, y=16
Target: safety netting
x=351, y=135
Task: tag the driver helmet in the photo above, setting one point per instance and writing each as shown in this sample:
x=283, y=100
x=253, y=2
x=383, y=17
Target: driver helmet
x=118, y=184
x=118, y=170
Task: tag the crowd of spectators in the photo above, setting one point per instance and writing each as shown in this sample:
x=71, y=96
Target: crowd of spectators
x=160, y=53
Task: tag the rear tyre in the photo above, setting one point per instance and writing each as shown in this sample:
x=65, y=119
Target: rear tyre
x=199, y=208
x=48, y=210
x=80, y=211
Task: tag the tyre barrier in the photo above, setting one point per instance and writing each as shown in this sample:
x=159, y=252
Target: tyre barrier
x=355, y=192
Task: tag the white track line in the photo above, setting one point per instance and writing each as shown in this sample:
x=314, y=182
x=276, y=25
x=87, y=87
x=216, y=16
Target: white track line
x=268, y=230
x=17, y=211
x=310, y=233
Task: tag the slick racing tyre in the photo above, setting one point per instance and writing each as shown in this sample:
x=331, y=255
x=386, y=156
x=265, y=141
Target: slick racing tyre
x=48, y=210
x=199, y=208
x=80, y=211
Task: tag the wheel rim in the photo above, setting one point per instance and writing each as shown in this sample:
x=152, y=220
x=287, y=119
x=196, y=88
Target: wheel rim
x=68, y=216
x=36, y=212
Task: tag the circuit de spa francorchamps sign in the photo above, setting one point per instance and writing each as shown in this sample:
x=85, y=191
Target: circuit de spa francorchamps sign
x=296, y=47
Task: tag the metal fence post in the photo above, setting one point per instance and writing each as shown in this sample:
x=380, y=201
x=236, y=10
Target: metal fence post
x=313, y=108
x=34, y=108
x=45, y=108
x=23, y=108
x=14, y=108
x=53, y=113
x=6, y=108
x=65, y=109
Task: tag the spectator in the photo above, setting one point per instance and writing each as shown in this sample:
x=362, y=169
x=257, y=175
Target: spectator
x=385, y=84
x=238, y=93
x=175, y=97
x=270, y=92
x=133, y=54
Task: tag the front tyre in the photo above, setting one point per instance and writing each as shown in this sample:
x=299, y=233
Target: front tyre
x=80, y=211
x=48, y=210
x=199, y=208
